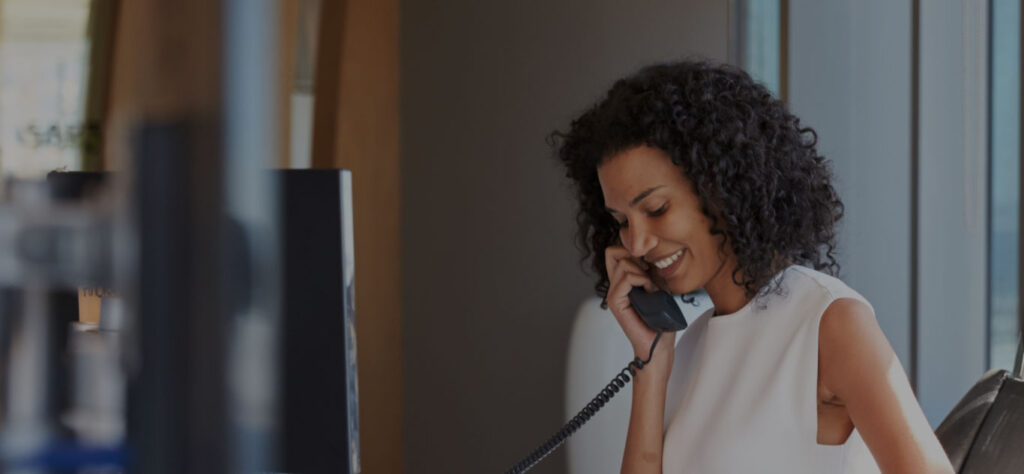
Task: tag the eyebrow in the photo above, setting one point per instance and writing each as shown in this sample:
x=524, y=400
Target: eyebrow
x=637, y=199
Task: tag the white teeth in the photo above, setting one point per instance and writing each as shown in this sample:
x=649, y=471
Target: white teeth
x=668, y=260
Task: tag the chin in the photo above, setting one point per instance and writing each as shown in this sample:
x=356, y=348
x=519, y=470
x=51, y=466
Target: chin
x=677, y=286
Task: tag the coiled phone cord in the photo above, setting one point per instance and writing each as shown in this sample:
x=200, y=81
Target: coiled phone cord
x=584, y=415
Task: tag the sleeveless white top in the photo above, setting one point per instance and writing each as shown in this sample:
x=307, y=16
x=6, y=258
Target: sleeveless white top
x=743, y=392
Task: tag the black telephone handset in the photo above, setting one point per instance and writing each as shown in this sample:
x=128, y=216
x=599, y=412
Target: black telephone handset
x=658, y=309
x=660, y=312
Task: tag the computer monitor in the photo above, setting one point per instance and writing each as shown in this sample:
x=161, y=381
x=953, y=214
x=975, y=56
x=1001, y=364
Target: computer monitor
x=320, y=421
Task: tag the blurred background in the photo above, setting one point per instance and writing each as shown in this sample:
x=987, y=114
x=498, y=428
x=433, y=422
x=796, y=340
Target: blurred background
x=468, y=279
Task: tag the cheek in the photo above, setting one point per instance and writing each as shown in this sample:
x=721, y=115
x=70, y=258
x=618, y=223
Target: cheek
x=685, y=229
x=701, y=243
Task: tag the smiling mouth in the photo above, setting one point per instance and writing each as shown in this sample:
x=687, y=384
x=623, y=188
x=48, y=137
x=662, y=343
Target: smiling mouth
x=668, y=261
x=669, y=265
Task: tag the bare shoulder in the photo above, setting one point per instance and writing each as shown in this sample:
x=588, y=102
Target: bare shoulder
x=853, y=352
x=848, y=328
x=857, y=364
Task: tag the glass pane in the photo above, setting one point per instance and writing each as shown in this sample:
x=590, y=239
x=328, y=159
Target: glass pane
x=761, y=43
x=1005, y=185
x=44, y=57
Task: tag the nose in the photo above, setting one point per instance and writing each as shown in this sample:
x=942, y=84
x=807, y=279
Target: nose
x=638, y=239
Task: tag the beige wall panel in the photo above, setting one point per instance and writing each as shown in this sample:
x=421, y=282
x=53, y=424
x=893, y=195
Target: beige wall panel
x=160, y=72
x=368, y=145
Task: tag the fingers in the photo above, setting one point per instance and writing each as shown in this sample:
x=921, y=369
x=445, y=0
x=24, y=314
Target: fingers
x=626, y=269
x=624, y=273
x=618, y=302
x=611, y=258
x=616, y=253
x=629, y=279
x=619, y=262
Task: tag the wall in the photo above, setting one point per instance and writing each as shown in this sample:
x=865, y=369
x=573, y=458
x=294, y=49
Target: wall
x=851, y=78
x=953, y=174
x=490, y=274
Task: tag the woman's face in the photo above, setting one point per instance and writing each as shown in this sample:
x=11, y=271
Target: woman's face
x=660, y=219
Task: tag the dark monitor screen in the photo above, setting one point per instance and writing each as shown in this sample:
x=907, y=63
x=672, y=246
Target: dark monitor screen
x=320, y=408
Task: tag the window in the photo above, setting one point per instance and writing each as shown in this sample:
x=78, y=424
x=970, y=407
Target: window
x=44, y=57
x=756, y=39
x=1004, y=189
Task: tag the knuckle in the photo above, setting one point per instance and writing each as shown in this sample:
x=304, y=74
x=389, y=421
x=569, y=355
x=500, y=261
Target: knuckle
x=639, y=279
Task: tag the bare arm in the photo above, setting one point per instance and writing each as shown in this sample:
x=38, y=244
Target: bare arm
x=857, y=363
x=645, y=436
x=644, y=440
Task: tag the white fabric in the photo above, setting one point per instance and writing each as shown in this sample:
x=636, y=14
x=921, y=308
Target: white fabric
x=742, y=396
x=597, y=351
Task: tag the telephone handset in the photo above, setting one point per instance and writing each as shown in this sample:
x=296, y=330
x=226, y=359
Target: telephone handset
x=658, y=309
x=660, y=312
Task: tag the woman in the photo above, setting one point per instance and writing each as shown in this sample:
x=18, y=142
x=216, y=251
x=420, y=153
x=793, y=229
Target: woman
x=690, y=175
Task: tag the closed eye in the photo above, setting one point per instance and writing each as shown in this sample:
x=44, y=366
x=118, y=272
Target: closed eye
x=655, y=213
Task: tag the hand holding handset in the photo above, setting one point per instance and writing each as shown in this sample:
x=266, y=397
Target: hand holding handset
x=659, y=311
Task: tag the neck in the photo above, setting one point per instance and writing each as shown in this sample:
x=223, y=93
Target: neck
x=726, y=295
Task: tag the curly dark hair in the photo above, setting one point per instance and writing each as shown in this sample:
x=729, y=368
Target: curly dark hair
x=757, y=173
